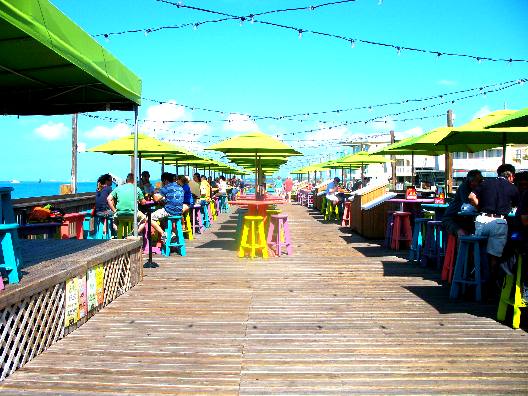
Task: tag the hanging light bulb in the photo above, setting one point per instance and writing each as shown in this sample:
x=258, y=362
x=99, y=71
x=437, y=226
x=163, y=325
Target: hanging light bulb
x=438, y=55
x=107, y=37
x=398, y=49
x=242, y=19
x=300, y=33
x=195, y=26
x=147, y=31
x=352, y=43
x=252, y=17
x=479, y=60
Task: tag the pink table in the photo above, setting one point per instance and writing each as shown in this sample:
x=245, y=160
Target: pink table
x=257, y=208
x=402, y=201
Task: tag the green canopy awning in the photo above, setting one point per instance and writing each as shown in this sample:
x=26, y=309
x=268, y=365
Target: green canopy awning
x=49, y=65
x=256, y=143
x=362, y=158
x=146, y=146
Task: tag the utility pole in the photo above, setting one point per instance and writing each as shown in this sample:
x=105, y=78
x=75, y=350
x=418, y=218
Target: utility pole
x=393, y=161
x=73, y=181
x=448, y=158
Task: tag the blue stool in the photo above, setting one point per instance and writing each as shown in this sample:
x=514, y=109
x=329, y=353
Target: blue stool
x=102, y=228
x=434, y=247
x=415, y=252
x=179, y=243
x=86, y=224
x=10, y=251
x=204, y=210
x=224, y=205
x=388, y=230
x=463, y=275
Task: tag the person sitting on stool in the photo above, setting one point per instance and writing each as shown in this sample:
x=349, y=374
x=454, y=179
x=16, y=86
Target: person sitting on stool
x=495, y=198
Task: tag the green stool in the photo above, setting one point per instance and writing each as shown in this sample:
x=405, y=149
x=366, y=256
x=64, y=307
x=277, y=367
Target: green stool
x=125, y=226
x=323, y=205
x=332, y=211
x=512, y=295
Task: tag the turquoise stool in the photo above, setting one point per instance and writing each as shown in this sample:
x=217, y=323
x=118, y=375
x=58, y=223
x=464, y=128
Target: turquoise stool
x=463, y=275
x=86, y=224
x=204, y=209
x=180, y=241
x=415, y=252
x=224, y=205
x=11, y=251
x=102, y=227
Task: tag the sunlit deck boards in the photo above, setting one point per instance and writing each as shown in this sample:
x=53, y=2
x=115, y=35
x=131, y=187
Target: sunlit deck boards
x=338, y=317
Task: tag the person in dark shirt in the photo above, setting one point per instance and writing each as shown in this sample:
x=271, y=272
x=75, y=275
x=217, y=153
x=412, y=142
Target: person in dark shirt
x=188, y=200
x=104, y=188
x=495, y=199
x=451, y=221
x=171, y=194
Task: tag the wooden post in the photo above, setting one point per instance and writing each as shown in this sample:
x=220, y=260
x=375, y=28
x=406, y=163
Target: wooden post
x=162, y=164
x=73, y=182
x=448, y=158
x=393, y=162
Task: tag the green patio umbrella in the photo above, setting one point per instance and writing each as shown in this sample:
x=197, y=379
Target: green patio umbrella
x=517, y=119
x=255, y=145
x=475, y=131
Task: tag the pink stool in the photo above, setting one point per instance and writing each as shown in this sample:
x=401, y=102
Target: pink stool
x=310, y=200
x=279, y=226
x=155, y=249
x=76, y=221
x=2, y=287
x=401, y=230
x=217, y=205
x=449, y=258
x=197, y=220
x=347, y=215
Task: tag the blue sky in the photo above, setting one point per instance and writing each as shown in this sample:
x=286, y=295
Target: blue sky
x=262, y=70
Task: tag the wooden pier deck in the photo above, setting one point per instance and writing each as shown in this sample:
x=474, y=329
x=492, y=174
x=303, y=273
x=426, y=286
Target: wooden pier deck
x=340, y=316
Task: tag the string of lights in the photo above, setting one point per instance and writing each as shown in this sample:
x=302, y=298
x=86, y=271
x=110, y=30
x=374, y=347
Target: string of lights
x=226, y=17
x=293, y=117
x=352, y=41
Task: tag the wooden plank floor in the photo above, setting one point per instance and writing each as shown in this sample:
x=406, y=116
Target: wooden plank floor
x=340, y=316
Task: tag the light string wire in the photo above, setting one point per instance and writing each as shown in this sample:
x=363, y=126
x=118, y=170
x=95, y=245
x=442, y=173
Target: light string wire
x=292, y=117
x=349, y=122
x=351, y=40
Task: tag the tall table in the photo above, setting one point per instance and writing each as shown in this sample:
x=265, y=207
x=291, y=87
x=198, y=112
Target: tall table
x=403, y=201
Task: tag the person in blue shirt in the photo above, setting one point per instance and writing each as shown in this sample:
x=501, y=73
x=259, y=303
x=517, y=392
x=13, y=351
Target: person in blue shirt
x=188, y=200
x=104, y=189
x=171, y=194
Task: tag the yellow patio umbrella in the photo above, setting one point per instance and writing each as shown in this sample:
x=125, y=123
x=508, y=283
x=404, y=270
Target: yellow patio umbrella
x=361, y=159
x=255, y=146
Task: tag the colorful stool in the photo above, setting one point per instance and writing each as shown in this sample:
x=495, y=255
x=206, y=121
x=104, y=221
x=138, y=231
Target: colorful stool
x=125, y=226
x=155, y=249
x=310, y=200
x=179, y=243
x=224, y=205
x=86, y=225
x=10, y=251
x=401, y=230
x=324, y=202
x=269, y=213
x=253, y=237
x=240, y=224
x=347, y=215
x=188, y=226
x=449, y=258
x=205, y=214
x=73, y=221
x=434, y=244
x=212, y=211
x=332, y=211
x=197, y=219
x=279, y=234
x=419, y=233
x=511, y=295
x=388, y=230
x=103, y=227
x=463, y=274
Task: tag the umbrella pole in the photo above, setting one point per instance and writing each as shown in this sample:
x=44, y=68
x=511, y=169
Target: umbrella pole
x=362, y=175
x=162, y=164
x=136, y=127
x=503, y=148
x=139, y=173
x=412, y=168
x=256, y=176
x=448, y=170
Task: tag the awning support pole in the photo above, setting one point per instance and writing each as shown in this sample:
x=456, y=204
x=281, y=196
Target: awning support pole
x=136, y=128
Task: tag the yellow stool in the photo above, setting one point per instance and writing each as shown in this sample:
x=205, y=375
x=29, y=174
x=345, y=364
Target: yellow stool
x=125, y=226
x=253, y=237
x=512, y=295
x=212, y=210
x=332, y=211
x=189, y=230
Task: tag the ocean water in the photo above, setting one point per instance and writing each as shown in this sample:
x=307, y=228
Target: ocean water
x=27, y=189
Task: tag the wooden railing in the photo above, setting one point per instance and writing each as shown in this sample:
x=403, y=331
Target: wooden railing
x=70, y=203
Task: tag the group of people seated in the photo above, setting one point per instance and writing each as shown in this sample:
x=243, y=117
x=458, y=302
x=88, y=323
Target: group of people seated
x=175, y=196
x=494, y=208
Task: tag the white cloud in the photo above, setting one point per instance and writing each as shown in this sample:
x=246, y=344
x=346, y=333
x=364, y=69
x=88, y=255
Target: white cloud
x=81, y=147
x=416, y=131
x=186, y=135
x=484, y=110
x=52, y=131
x=448, y=83
x=162, y=116
x=106, y=133
x=240, y=123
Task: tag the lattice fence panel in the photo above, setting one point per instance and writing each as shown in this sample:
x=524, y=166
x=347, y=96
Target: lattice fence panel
x=29, y=327
x=32, y=325
x=117, y=277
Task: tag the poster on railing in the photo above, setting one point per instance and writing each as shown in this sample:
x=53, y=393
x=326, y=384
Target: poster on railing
x=91, y=289
x=83, y=301
x=72, y=302
x=99, y=283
